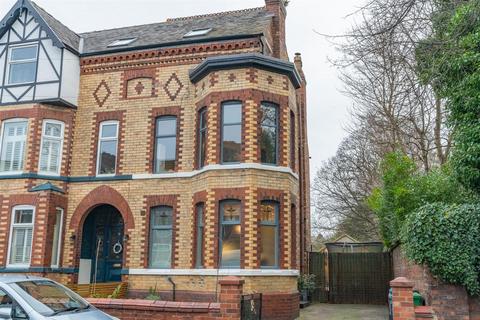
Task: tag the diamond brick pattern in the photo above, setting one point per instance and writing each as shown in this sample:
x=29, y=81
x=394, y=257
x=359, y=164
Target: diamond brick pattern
x=102, y=93
x=173, y=86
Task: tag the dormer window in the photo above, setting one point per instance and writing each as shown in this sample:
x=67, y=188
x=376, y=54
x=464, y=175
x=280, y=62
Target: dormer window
x=197, y=32
x=22, y=64
x=121, y=42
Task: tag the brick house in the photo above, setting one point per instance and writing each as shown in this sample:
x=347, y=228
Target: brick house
x=176, y=149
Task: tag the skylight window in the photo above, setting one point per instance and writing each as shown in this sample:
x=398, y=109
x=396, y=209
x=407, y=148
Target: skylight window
x=121, y=42
x=197, y=32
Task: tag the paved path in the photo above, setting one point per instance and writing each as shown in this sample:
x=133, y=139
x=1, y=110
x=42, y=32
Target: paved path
x=322, y=311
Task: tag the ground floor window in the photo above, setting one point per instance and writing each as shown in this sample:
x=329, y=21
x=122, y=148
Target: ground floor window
x=200, y=238
x=57, y=237
x=269, y=234
x=21, y=235
x=161, y=237
x=230, y=231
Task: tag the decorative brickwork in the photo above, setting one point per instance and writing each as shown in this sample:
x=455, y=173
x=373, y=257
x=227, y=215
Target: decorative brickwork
x=173, y=86
x=143, y=81
x=102, y=93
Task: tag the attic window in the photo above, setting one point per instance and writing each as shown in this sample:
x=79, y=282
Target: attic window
x=121, y=42
x=197, y=32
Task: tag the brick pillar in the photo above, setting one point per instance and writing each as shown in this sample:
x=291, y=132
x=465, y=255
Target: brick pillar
x=402, y=299
x=231, y=289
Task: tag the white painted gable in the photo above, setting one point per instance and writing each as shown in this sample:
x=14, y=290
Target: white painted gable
x=51, y=61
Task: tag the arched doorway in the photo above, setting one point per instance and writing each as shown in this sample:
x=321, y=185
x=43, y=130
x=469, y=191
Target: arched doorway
x=102, y=243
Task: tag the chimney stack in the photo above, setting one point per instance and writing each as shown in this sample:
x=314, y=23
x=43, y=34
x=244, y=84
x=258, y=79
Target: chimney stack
x=277, y=8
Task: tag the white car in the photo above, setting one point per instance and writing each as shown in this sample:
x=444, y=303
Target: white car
x=35, y=298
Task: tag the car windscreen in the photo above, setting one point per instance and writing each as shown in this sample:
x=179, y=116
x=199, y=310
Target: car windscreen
x=47, y=297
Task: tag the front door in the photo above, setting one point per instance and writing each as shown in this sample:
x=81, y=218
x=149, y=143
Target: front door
x=103, y=243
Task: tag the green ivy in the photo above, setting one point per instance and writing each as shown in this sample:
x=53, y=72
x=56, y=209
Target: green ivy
x=446, y=238
x=450, y=62
x=403, y=190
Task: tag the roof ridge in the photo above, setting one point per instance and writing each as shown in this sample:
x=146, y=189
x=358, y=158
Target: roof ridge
x=215, y=14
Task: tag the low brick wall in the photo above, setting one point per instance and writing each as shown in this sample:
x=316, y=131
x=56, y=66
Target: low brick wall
x=135, y=309
x=449, y=302
x=280, y=306
x=402, y=302
x=231, y=289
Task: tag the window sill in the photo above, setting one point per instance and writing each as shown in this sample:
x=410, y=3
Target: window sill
x=214, y=272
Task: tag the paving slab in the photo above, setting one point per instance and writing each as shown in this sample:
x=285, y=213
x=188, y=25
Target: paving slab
x=321, y=311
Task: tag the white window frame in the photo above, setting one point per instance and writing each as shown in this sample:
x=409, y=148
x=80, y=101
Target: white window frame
x=60, y=139
x=100, y=140
x=122, y=42
x=2, y=136
x=10, y=62
x=12, y=224
x=59, y=243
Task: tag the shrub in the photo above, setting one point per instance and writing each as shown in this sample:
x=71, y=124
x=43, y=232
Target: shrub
x=446, y=238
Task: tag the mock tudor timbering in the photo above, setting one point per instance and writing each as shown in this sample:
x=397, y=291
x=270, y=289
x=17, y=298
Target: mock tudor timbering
x=178, y=156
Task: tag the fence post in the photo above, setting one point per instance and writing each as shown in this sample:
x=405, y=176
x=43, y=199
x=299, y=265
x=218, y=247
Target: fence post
x=402, y=299
x=231, y=289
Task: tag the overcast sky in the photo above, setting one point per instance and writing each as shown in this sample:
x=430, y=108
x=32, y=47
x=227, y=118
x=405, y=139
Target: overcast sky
x=327, y=107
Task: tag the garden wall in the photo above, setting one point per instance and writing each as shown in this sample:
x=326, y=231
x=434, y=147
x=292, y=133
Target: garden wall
x=449, y=302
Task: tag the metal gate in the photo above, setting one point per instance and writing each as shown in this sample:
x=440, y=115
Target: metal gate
x=251, y=306
x=357, y=278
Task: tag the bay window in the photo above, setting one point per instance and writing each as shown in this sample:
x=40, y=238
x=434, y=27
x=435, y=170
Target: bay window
x=160, y=237
x=202, y=136
x=269, y=133
x=107, y=148
x=269, y=234
x=51, y=147
x=231, y=132
x=200, y=235
x=165, y=144
x=21, y=235
x=14, y=136
x=230, y=230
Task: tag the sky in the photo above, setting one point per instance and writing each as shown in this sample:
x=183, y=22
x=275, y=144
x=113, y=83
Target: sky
x=327, y=106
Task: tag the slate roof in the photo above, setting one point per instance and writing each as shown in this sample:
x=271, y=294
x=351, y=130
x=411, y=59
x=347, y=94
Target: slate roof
x=226, y=24
x=67, y=36
x=230, y=24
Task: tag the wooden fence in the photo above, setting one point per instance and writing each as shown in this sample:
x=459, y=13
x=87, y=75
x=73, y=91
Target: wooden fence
x=358, y=278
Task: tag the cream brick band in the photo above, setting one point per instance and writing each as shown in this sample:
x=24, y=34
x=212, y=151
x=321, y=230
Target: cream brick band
x=214, y=272
x=215, y=167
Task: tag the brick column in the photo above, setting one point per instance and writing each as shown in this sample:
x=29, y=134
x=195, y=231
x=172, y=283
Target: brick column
x=402, y=299
x=231, y=289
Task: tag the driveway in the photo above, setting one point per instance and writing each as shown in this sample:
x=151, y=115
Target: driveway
x=321, y=311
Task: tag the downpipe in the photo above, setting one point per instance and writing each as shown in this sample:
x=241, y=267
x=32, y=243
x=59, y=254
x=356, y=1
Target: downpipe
x=173, y=287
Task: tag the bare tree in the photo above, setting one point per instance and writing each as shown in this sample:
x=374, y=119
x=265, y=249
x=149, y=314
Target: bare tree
x=392, y=110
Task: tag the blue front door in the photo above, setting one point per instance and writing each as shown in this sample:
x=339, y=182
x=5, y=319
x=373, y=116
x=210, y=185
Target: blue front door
x=102, y=243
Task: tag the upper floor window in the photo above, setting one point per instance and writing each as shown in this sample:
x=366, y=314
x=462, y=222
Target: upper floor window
x=51, y=150
x=57, y=238
x=197, y=32
x=269, y=234
x=21, y=235
x=161, y=237
x=231, y=132
x=14, y=136
x=230, y=233
x=165, y=144
x=200, y=238
x=269, y=133
x=22, y=64
x=292, y=140
x=202, y=136
x=107, y=148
